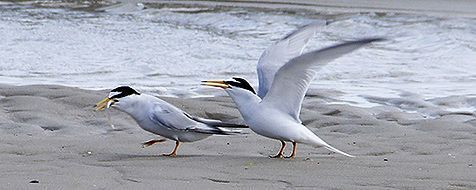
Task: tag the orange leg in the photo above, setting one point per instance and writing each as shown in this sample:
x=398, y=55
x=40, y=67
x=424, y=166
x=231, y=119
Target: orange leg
x=174, y=152
x=151, y=142
x=293, y=154
x=280, y=153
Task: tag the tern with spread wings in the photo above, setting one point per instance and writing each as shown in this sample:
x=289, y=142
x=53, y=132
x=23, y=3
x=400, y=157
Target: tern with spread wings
x=284, y=77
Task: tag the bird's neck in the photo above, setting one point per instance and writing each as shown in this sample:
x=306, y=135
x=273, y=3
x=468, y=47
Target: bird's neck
x=134, y=106
x=245, y=102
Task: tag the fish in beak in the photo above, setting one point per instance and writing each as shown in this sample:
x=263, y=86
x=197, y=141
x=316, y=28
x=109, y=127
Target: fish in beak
x=216, y=83
x=103, y=104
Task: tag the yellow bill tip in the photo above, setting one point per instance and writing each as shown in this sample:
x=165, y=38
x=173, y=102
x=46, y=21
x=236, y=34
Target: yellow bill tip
x=215, y=83
x=102, y=105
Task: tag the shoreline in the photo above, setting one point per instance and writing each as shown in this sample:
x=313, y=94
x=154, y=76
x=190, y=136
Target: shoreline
x=460, y=8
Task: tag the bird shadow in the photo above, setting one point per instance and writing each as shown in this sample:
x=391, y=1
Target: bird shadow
x=158, y=157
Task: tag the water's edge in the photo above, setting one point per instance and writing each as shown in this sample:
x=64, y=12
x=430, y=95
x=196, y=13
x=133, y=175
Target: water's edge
x=167, y=48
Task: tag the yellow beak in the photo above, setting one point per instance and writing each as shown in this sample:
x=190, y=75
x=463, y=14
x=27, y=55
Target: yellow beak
x=103, y=104
x=216, y=83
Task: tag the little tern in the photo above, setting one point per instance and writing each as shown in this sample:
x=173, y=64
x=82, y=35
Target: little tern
x=159, y=117
x=283, y=82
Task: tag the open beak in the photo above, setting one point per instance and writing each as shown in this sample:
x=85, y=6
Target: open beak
x=215, y=83
x=103, y=104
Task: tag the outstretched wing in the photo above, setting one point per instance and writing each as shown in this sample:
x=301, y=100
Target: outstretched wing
x=278, y=54
x=292, y=80
x=169, y=116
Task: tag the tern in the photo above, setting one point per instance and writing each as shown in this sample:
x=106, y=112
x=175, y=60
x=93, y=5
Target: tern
x=161, y=118
x=283, y=82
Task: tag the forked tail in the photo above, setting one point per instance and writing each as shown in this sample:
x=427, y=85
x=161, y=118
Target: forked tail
x=316, y=141
x=329, y=147
x=215, y=123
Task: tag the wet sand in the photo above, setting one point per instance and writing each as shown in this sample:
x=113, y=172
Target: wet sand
x=445, y=8
x=53, y=136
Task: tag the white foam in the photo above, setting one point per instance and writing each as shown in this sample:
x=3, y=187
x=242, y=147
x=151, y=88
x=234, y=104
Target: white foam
x=154, y=49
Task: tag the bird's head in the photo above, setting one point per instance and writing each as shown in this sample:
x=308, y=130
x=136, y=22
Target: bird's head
x=116, y=97
x=234, y=86
x=239, y=90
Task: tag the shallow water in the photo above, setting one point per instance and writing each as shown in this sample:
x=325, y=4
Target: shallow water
x=169, y=51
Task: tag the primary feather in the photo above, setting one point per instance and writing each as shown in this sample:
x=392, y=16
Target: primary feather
x=292, y=80
x=275, y=56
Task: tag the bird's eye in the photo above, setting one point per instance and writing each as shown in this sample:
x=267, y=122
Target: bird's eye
x=115, y=100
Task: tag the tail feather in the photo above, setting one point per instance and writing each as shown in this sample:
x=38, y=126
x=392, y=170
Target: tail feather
x=223, y=124
x=230, y=131
x=214, y=127
x=316, y=141
x=329, y=147
x=215, y=123
x=212, y=130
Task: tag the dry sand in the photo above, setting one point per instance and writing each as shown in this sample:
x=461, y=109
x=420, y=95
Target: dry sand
x=51, y=135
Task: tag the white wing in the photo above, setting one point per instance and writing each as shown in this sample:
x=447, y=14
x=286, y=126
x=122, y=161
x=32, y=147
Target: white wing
x=292, y=80
x=278, y=54
x=169, y=116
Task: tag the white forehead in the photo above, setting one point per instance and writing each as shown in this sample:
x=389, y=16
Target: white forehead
x=111, y=94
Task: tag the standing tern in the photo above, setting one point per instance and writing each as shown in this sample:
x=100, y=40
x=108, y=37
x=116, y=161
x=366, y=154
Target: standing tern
x=274, y=111
x=159, y=117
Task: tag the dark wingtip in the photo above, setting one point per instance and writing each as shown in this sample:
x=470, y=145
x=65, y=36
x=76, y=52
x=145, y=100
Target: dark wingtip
x=366, y=40
x=376, y=39
x=236, y=126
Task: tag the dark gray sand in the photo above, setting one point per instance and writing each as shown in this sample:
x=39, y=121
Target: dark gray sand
x=51, y=138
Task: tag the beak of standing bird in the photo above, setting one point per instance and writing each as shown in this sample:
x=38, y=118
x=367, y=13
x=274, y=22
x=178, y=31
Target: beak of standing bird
x=103, y=104
x=216, y=83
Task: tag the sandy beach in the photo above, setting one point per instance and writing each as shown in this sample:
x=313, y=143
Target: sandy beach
x=51, y=138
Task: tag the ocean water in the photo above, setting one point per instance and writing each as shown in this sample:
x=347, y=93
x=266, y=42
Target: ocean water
x=168, y=50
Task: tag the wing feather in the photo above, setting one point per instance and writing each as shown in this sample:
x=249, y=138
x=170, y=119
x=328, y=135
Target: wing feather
x=278, y=54
x=171, y=117
x=292, y=80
